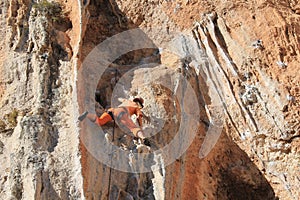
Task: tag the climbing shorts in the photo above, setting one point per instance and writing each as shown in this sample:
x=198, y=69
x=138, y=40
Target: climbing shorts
x=122, y=118
x=104, y=118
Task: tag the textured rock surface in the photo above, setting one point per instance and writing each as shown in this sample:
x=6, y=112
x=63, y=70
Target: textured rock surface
x=40, y=155
x=249, y=49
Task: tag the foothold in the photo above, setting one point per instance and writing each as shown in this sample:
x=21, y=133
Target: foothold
x=45, y=55
x=1, y=147
x=247, y=75
x=131, y=157
x=281, y=64
x=249, y=95
x=258, y=44
x=285, y=108
x=290, y=98
x=58, y=82
x=108, y=137
x=177, y=7
x=160, y=50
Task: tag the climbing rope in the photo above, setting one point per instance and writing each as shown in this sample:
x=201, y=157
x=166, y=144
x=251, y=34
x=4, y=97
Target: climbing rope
x=109, y=177
x=113, y=138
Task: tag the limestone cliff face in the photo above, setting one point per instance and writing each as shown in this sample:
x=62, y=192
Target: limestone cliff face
x=39, y=145
x=246, y=53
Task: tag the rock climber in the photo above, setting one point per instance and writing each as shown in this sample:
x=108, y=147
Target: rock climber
x=122, y=115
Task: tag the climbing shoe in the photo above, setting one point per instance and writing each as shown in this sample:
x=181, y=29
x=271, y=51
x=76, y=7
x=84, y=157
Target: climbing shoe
x=83, y=116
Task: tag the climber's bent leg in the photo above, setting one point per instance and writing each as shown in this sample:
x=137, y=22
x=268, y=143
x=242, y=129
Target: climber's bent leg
x=103, y=119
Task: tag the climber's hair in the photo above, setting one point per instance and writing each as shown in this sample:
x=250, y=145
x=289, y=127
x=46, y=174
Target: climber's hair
x=139, y=101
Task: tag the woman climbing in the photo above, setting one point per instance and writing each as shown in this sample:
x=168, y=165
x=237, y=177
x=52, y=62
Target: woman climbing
x=122, y=115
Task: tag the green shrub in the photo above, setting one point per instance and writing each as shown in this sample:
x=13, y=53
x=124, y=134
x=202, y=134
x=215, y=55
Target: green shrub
x=52, y=9
x=12, y=117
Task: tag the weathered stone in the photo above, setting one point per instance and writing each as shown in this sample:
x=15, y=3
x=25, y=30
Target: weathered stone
x=237, y=44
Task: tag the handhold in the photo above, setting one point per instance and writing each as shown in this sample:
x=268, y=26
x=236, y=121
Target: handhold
x=281, y=64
